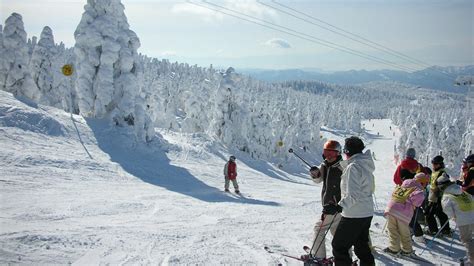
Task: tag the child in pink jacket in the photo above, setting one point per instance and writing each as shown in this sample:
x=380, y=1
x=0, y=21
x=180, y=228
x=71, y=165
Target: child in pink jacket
x=399, y=211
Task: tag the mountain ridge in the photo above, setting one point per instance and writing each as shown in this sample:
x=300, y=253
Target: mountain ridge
x=430, y=78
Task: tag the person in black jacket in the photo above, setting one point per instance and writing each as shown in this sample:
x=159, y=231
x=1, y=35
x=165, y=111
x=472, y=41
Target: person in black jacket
x=329, y=173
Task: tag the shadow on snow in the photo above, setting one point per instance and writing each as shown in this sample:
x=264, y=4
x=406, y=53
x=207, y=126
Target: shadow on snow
x=150, y=163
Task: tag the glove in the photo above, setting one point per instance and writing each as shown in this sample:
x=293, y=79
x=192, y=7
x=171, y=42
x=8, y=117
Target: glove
x=332, y=209
x=314, y=172
x=459, y=182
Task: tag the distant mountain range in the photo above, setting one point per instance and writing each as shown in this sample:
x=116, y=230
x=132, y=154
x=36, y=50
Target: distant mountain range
x=431, y=78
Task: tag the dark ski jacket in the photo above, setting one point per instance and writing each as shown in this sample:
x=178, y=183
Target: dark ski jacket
x=407, y=163
x=330, y=175
x=468, y=184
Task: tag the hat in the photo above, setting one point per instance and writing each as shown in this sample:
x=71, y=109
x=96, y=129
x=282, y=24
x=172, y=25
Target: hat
x=443, y=180
x=422, y=178
x=353, y=145
x=469, y=159
x=332, y=145
x=411, y=153
x=438, y=159
x=232, y=158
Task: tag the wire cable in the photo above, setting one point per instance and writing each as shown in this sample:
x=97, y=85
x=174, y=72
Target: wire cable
x=357, y=38
x=300, y=35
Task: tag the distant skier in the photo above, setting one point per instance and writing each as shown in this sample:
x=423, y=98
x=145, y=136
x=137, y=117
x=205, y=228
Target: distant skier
x=357, y=188
x=329, y=173
x=459, y=205
x=230, y=174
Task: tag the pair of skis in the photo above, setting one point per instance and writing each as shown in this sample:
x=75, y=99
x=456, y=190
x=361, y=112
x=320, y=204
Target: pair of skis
x=413, y=257
x=307, y=259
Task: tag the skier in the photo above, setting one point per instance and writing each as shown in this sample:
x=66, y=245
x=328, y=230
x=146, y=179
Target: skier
x=424, y=180
x=230, y=174
x=399, y=213
x=329, y=173
x=459, y=205
x=357, y=187
x=434, y=199
x=408, y=163
x=467, y=180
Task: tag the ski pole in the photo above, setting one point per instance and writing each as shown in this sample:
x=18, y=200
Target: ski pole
x=325, y=234
x=385, y=226
x=317, y=234
x=375, y=202
x=452, y=241
x=415, y=220
x=432, y=240
x=291, y=151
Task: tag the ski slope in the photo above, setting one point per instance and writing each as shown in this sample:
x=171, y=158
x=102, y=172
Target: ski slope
x=75, y=191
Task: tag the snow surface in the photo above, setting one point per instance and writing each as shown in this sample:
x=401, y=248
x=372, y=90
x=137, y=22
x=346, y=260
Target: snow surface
x=76, y=191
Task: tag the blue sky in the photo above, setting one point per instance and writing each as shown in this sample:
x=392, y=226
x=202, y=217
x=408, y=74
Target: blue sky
x=435, y=32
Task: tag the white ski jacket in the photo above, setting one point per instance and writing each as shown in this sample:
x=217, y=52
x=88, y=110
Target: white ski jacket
x=458, y=205
x=357, y=186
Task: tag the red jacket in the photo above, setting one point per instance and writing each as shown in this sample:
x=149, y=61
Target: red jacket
x=230, y=170
x=407, y=163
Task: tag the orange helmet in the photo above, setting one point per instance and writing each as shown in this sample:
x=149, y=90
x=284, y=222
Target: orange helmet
x=332, y=145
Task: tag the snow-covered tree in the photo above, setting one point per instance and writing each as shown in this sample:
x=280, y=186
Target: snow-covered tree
x=14, y=73
x=41, y=67
x=107, y=82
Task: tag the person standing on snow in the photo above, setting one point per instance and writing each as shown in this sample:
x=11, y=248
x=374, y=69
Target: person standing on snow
x=230, y=174
x=467, y=179
x=357, y=188
x=399, y=212
x=459, y=205
x=409, y=163
x=329, y=173
x=434, y=199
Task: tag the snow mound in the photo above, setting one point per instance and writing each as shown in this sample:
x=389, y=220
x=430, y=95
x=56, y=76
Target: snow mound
x=27, y=116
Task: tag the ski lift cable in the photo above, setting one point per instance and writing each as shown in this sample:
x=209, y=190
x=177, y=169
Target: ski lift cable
x=301, y=35
x=345, y=34
x=362, y=40
x=339, y=47
x=286, y=32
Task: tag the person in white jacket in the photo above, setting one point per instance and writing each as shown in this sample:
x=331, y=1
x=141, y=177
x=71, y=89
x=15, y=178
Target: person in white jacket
x=459, y=205
x=357, y=187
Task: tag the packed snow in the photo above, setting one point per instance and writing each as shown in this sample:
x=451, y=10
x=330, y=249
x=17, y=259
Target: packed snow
x=75, y=191
x=122, y=161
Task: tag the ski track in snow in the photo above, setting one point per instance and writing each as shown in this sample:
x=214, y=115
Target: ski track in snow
x=135, y=204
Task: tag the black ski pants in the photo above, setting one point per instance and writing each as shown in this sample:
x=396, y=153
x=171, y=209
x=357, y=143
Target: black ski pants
x=352, y=232
x=435, y=209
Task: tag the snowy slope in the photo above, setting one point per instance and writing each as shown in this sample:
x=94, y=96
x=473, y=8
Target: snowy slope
x=75, y=191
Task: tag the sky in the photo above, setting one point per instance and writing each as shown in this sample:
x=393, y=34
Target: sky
x=430, y=32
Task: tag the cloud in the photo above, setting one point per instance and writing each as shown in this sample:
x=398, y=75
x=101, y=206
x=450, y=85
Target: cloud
x=168, y=53
x=278, y=43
